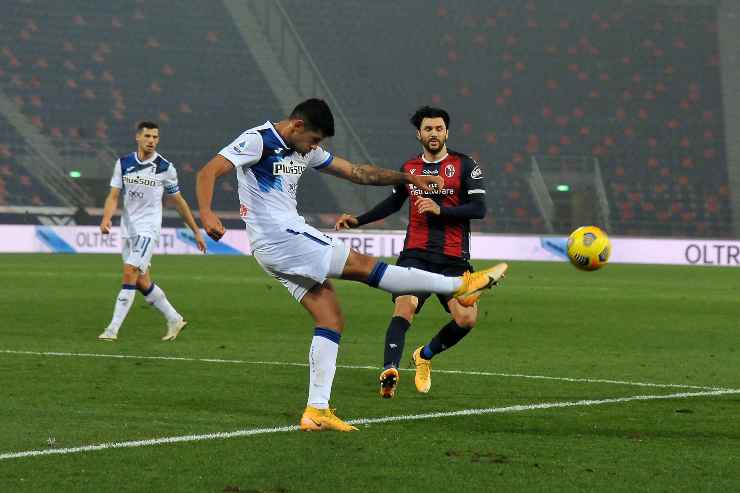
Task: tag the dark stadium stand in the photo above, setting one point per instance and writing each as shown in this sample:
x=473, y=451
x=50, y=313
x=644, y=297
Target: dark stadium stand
x=534, y=79
x=17, y=187
x=543, y=78
x=91, y=71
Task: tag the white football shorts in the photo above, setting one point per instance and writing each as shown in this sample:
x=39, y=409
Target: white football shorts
x=300, y=257
x=137, y=251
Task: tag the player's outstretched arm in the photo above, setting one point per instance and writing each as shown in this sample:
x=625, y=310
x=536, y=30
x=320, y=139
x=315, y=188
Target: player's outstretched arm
x=472, y=209
x=111, y=203
x=184, y=210
x=204, y=183
x=367, y=174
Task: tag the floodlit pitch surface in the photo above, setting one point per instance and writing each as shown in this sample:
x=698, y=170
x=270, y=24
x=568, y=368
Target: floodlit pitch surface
x=623, y=379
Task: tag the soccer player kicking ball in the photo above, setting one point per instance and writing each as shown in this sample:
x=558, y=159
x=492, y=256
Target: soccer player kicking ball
x=269, y=160
x=143, y=176
x=437, y=240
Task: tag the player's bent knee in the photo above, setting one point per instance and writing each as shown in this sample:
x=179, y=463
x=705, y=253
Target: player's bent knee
x=465, y=317
x=466, y=321
x=142, y=284
x=406, y=307
x=130, y=274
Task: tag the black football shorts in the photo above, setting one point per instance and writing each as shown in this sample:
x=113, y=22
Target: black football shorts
x=432, y=263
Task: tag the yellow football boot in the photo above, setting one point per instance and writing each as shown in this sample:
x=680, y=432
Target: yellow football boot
x=388, y=383
x=323, y=420
x=474, y=283
x=423, y=377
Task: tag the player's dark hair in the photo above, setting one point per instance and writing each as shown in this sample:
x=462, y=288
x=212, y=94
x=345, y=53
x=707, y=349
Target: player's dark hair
x=429, y=112
x=142, y=125
x=316, y=115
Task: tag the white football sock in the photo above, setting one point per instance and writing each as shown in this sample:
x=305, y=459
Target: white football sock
x=395, y=279
x=124, y=300
x=157, y=298
x=322, y=359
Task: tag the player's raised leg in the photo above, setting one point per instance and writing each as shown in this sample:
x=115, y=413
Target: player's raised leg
x=155, y=296
x=463, y=321
x=321, y=302
x=394, y=279
x=124, y=300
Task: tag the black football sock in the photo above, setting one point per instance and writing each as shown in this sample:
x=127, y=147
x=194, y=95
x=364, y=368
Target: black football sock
x=448, y=336
x=395, y=336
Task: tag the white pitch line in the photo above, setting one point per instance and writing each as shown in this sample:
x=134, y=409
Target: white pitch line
x=360, y=421
x=359, y=367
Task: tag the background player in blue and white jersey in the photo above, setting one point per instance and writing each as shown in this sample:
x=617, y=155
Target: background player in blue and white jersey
x=269, y=160
x=143, y=177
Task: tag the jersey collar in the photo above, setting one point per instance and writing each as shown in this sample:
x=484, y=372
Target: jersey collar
x=148, y=161
x=434, y=162
x=277, y=135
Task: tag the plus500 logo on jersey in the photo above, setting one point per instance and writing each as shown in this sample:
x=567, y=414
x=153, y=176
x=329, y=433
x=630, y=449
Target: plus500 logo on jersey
x=140, y=180
x=287, y=168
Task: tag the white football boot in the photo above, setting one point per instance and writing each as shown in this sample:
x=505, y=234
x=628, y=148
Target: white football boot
x=173, y=329
x=108, y=335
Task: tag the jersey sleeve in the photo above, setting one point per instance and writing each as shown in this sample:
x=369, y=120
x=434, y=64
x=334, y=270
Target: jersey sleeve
x=390, y=205
x=116, y=180
x=246, y=150
x=169, y=181
x=319, y=158
x=474, y=180
x=401, y=190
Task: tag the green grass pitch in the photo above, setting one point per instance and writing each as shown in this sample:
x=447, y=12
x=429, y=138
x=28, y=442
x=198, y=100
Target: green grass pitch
x=648, y=324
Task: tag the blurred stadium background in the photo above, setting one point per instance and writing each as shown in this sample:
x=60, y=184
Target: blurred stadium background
x=622, y=113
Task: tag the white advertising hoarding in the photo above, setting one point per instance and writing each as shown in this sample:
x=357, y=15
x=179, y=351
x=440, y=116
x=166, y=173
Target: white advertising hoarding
x=88, y=239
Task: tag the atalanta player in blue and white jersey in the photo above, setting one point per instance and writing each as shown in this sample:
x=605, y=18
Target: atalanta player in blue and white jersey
x=143, y=177
x=437, y=240
x=269, y=160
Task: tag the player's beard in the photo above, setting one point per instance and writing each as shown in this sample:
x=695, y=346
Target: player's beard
x=434, y=147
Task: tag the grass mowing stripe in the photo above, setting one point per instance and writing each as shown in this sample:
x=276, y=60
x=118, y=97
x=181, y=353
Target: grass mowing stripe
x=361, y=421
x=359, y=367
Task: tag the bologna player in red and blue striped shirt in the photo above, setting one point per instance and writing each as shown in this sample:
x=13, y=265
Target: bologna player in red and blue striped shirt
x=437, y=240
